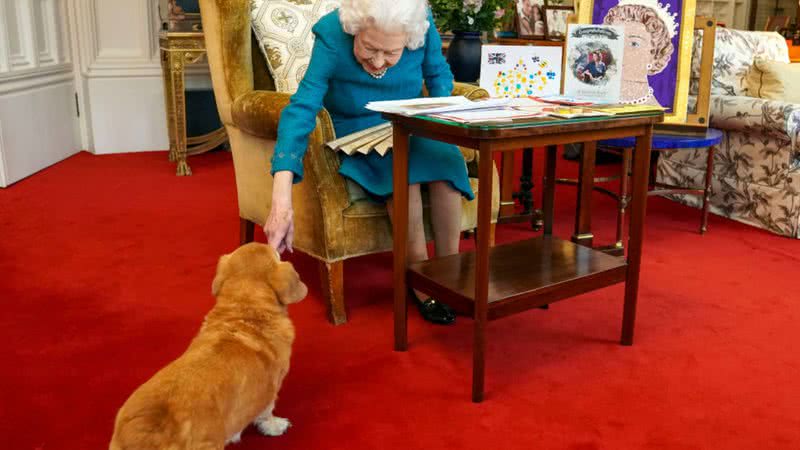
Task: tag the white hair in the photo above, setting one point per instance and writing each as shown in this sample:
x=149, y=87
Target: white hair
x=407, y=16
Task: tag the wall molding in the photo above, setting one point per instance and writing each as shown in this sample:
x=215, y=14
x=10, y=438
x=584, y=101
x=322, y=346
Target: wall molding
x=36, y=79
x=100, y=59
x=27, y=55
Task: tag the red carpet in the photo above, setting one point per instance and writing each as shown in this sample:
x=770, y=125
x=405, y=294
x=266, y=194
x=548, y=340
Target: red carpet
x=105, y=272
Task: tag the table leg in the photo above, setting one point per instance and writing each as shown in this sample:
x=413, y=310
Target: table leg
x=176, y=65
x=526, y=182
x=583, y=215
x=639, y=185
x=549, y=188
x=168, y=102
x=482, y=272
x=623, y=198
x=707, y=190
x=400, y=233
x=507, y=185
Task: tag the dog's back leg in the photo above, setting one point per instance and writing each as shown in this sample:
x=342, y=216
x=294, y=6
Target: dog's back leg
x=235, y=439
x=270, y=425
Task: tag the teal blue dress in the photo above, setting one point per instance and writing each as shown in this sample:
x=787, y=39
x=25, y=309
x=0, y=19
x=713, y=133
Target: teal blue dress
x=336, y=81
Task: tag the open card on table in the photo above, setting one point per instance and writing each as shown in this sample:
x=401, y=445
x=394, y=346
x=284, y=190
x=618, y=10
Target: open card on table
x=520, y=70
x=432, y=105
x=593, y=69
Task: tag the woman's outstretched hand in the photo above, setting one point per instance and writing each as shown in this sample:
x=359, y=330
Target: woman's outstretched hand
x=279, y=228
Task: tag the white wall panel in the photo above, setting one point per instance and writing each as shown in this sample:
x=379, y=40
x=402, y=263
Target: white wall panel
x=127, y=115
x=35, y=132
x=37, y=89
x=15, y=38
x=120, y=75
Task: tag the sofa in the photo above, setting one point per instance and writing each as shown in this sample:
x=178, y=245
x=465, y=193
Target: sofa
x=756, y=177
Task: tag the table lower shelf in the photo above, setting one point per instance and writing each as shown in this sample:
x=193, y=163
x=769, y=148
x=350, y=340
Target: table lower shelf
x=522, y=275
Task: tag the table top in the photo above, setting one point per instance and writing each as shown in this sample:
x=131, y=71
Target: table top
x=671, y=141
x=526, y=127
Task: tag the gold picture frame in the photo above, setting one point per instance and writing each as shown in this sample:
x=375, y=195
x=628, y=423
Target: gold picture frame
x=680, y=100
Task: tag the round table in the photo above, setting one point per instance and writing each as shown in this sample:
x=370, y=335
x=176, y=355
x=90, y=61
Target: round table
x=666, y=142
x=671, y=142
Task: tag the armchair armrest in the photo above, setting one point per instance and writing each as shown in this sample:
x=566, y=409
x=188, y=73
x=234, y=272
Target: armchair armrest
x=756, y=115
x=470, y=91
x=772, y=118
x=258, y=112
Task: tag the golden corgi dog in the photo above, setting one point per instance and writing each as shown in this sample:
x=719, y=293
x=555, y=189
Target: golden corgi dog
x=230, y=375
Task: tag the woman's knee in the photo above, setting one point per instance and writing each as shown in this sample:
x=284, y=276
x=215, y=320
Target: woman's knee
x=442, y=186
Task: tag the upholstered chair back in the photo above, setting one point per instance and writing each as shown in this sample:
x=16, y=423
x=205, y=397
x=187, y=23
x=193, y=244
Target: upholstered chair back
x=734, y=53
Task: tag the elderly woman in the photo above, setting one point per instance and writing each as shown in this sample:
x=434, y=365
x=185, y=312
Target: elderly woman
x=371, y=50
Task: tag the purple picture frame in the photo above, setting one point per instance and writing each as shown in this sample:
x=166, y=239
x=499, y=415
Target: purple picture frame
x=664, y=83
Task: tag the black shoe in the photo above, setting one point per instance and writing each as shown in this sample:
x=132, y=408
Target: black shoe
x=433, y=310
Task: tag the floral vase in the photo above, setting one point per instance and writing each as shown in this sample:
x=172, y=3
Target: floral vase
x=464, y=56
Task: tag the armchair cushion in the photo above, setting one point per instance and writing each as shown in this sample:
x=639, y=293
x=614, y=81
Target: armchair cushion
x=734, y=52
x=774, y=80
x=283, y=30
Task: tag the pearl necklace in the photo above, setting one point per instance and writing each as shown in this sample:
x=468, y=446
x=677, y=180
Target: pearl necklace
x=639, y=100
x=378, y=75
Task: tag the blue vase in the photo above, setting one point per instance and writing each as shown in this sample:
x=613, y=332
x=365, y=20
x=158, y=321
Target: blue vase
x=464, y=56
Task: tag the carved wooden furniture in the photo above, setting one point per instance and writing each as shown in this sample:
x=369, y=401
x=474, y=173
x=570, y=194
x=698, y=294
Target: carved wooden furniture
x=179, y=49
x=493, y=282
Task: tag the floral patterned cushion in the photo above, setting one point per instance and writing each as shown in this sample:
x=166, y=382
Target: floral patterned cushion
x=283, y=30
x=734, y=52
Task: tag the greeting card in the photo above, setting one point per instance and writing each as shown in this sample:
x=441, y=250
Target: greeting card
x=511, y=71
x=593, y=69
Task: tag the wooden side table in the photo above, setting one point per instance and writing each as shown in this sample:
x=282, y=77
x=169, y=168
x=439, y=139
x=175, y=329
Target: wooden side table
x=179, y=49
x=491, y=283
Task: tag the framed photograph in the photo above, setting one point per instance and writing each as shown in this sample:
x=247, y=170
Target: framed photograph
x=530, y=19
x=556, y=19
x=658, y=49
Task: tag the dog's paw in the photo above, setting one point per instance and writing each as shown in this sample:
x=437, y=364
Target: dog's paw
x=274, y=426
x=235, y=439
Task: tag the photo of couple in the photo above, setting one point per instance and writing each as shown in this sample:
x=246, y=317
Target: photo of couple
x=530, y=14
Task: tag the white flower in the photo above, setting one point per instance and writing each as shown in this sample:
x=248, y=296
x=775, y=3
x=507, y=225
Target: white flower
x=470, y=20
x=473, y=5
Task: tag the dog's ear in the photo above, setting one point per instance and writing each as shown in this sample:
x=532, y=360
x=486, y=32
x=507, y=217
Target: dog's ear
x=219, y=278
x=287, y=285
